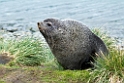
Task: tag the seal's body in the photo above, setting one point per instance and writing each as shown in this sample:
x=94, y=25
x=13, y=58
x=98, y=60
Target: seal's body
x=72, y=43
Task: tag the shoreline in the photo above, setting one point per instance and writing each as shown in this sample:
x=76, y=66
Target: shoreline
x=19, y=34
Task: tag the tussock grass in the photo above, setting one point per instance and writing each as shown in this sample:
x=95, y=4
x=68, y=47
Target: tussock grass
x=109, y=69
x=27, y=51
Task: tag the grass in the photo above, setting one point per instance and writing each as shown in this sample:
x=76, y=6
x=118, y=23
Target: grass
x=34, y=63
x=109, y=69
x=27, y=51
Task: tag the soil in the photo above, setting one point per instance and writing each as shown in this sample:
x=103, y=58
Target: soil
x=19, y=75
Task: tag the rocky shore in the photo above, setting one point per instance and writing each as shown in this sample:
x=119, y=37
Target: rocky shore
x=17, y=34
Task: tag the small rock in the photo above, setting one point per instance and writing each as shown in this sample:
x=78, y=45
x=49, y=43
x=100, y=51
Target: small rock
x=1, y=27
x=4, y=58
x=32, y=30
x=9, y=29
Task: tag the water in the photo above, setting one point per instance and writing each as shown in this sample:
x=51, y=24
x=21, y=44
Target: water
x=107, y=14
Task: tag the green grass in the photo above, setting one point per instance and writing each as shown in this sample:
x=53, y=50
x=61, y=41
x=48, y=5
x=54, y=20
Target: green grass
x=67, y=76
x=27, y=51
x=109, y=69
x=39, y=63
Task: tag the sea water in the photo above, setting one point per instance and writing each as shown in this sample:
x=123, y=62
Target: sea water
x=105, y=14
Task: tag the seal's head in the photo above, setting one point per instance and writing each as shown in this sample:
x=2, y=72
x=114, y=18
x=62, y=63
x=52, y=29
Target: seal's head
x=55, y=27
x=53, y=30
x=49, y=27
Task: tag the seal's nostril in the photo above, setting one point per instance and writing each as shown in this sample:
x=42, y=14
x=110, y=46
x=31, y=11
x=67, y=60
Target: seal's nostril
x=38, y=24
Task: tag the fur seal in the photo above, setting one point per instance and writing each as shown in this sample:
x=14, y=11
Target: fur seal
x=72, y=43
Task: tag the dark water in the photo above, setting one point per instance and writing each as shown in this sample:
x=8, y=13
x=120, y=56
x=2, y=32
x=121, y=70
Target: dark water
x=22, y=14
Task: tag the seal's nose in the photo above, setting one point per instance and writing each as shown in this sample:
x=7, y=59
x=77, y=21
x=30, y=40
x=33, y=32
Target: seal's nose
x=40, y=26
x=38, y=23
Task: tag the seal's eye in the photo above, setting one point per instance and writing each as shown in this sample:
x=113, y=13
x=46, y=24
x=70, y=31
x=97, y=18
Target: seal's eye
x=49, y=24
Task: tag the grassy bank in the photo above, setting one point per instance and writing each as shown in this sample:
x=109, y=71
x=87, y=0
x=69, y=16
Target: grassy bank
x=28, y=60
